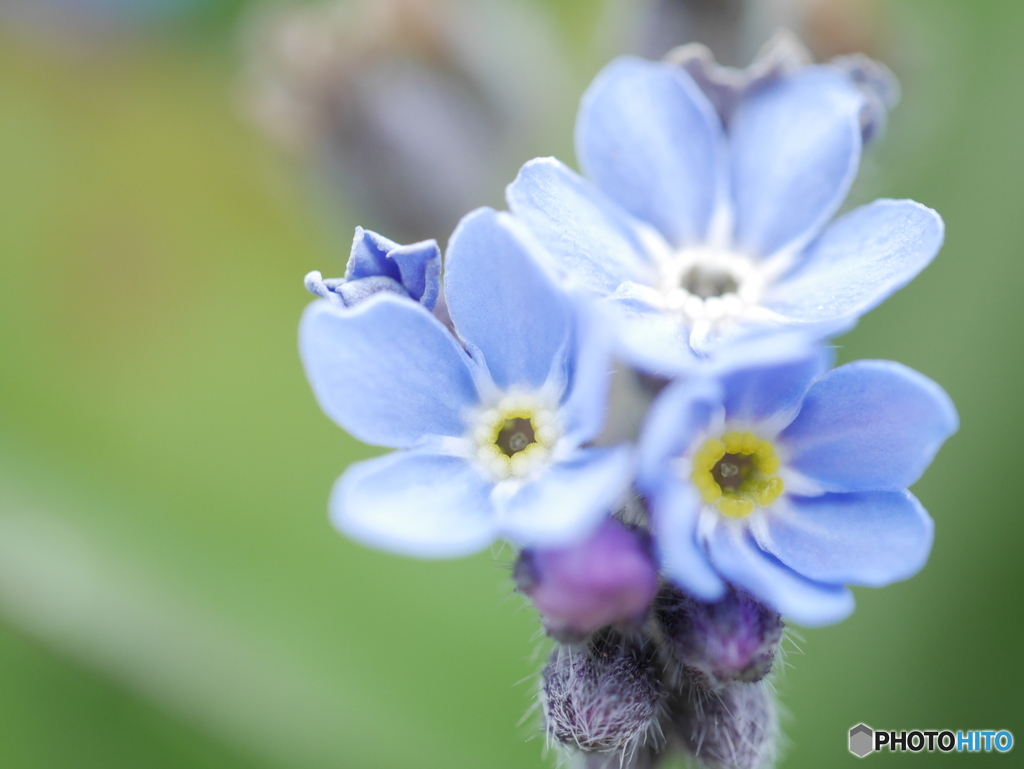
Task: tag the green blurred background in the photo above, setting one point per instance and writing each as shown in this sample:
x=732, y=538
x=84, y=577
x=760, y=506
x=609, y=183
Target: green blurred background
x=170, y=590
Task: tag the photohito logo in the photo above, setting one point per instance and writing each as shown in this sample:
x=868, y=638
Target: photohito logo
x=865, y=740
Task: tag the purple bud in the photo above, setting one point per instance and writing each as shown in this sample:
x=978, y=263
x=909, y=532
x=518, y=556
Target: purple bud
x=609, y=578
x=603, y=697
x=735, y=728
x=734, y=639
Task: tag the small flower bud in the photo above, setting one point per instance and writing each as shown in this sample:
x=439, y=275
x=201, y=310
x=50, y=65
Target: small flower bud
x=734, y=639
x=609, y=578
x=735, y=728
x=603, y=697
x=377, y=264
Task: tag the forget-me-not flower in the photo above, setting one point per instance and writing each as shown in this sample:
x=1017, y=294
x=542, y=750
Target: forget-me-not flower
x=790, y=482
x=696, y=231
x=491, y=424
x=668, y=509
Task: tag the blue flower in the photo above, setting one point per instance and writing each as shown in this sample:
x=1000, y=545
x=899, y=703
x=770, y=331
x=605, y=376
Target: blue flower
x=377, y=264
x=696, y=231
x=490, y=423
x=790, y=482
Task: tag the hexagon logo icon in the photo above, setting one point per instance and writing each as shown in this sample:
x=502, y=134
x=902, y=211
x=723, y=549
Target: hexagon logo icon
x=862, y=740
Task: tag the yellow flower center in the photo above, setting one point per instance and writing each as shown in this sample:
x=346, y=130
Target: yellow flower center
x=515, y=437
x=736, y=473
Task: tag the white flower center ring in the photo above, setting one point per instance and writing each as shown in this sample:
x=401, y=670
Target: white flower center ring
x=515, y=437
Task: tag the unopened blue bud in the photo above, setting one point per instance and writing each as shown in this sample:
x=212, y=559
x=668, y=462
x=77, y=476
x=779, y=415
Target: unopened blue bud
x=377, y=264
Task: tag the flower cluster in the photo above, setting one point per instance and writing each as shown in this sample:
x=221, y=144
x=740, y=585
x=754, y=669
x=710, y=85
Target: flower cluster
x=627, y=378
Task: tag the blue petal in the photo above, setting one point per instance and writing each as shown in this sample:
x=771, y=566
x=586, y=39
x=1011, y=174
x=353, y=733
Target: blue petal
x=651, y=141
x=738, y=558
x=503, y=302
x=862, y=258
x=569, y=500
x=674, y=511
x=651, y=340
x=420, y=267
x=590, y=373
x=870, y=538
x=415, y=503
x=869, y=425
x=593, y=241
x=795, y=150
x=369, y=256
x=387, y=371
x=676, y=418
x=766, y=377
